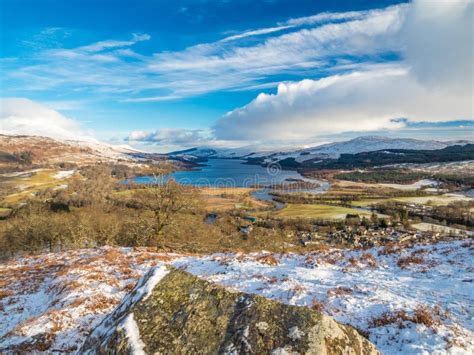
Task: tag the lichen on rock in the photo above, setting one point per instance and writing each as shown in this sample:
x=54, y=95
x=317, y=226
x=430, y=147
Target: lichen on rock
x=184, y=314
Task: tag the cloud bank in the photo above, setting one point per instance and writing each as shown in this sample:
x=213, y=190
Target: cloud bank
x=356, y=71
x=20, y=116
x=432, y=82
x=168, y=139
x=168, y=136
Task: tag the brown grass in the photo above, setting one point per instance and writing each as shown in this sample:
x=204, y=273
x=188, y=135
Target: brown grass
x=310, y=261
x=404, y=262
x=77, y=302
x=101, y=303
x=298, y=289
x=353, y=261
x=5, y=294
x=389, y=248
x=113, y=255
x=317, y=305
x=430, y=317
x=332, y=258
x=129, y=287
x=369, y=259
x=339, y=291
x=420, y=251
x=273, y=280
x=267, y=260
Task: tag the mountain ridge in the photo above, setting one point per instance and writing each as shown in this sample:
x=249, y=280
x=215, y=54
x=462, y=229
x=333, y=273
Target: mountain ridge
x=46, y=150
x=324, y=151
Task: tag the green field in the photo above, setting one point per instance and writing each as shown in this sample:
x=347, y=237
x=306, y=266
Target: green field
x=29, y=183
x=436, y=200
x=4, y=211
x=318, y=211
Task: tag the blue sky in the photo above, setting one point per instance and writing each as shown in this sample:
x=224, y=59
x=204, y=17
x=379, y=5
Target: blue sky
x=163, y=75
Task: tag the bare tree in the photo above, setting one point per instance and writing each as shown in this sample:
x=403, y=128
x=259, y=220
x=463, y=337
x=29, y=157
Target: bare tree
x=166, y=199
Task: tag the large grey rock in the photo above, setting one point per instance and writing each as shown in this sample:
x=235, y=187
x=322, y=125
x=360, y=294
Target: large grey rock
x=183, y=314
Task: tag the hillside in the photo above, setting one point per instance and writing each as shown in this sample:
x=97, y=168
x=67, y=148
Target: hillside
x=367, y=144
x=399, y=156
x=53, y=301
x=353, y=146
x=43, y=150
x=304, y=156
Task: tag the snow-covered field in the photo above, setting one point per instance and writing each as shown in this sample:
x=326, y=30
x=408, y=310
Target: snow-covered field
x=412, y=187
x=51, y=302
x=416, y=300
x=64, y=174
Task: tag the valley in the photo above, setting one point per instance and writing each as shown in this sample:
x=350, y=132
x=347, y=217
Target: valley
x=78, y=236
x=236, y=177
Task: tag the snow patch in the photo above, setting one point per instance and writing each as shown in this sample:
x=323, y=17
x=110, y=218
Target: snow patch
x=412, y=187
x=64, y=174
x=66, y=288
x=443, y=279
x=133, y=335
x=157, y=274
x=295, y=333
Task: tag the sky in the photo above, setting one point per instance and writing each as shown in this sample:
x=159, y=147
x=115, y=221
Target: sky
x=164, y=75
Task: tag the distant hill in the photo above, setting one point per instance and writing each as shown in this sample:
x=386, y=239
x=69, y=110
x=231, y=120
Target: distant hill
x=303, y=156
x=359, y=145
x=14, y=149
x=398, y=156
x=194, y=155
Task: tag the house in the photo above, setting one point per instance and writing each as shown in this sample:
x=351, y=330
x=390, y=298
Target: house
x=250, y=219
x=246, y=229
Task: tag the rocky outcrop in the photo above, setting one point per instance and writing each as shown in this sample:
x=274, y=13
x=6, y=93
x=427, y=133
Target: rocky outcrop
x=174, y=312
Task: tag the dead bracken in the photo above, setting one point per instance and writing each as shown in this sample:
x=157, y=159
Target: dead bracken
x=430, y=317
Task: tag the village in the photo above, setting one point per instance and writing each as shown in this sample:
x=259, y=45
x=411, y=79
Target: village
x=365, y=237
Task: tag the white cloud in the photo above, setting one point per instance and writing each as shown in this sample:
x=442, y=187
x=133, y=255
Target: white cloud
x=439, y=40
x=428, y=76
x=169, y=139
x=172, y=136
x=154, y=98
x=21, y=116
x=253, y=33
x=330, y=16
x=432, y=83
x=217, y=66
x=103, y=45
x=308, y=46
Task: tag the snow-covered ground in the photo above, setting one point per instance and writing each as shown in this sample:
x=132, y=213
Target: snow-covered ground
x=51, y=302
x=64, y=174
x=412, y=187
x=425, y=227
x=411, y=300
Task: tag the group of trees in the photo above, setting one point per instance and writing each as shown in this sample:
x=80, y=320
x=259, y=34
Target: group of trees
x=19, y=158
x=395, y=176
x=403, y=176
x=398, y=156
x=92, y=211
x=457, y=214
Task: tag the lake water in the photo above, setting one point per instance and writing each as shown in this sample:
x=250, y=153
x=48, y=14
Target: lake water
x=229, y=173
x=469, y=193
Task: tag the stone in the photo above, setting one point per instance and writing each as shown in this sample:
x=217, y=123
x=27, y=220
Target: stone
x=183, y=314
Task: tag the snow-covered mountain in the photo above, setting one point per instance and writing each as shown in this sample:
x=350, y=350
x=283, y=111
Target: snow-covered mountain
x=325, y=151
x=193, y=154
x=359, y=145
x=49, y=150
